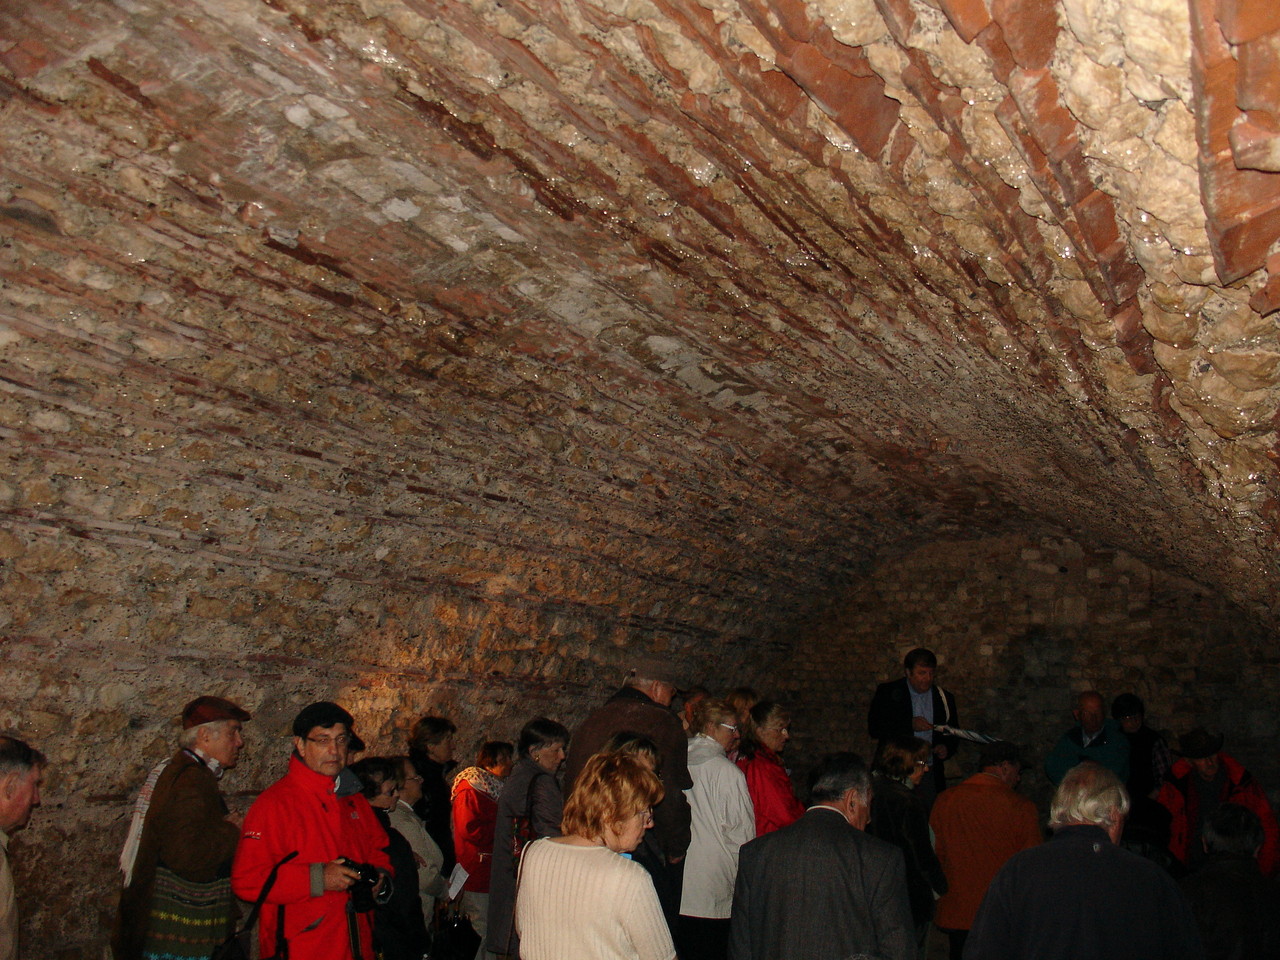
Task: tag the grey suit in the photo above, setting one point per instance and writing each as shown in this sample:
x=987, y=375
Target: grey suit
x=820, y=889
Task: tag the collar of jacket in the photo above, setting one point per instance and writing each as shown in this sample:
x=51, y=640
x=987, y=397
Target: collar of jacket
x=1103, y=737
x=311, y=781
x=631, y=693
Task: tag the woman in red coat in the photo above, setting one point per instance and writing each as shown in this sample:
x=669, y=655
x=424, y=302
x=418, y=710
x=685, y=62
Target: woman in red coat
x=768, y=783
x=475, y=815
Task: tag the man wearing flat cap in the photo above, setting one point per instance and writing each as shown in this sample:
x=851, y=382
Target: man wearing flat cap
x=642, y=707
x=1202, y=779
x=177, y=897
x=317, y=813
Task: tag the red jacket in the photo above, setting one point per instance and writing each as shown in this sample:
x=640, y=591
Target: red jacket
x=301, y=812
x=475, y=816
x=771, y=792
x=1179, y=797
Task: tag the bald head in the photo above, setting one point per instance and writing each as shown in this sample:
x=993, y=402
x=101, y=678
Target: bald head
x=1090, y=711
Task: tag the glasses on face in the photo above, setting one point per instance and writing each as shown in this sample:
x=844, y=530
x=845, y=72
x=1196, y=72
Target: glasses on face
x=922, y=763
x=730, y=726
x=646, y=816
x=415, y=777
x=326, y=742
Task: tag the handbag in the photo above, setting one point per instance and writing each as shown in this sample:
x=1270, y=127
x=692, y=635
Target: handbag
x=522, y=832
x=238, y=946
x=455, y=938
x=186, y=917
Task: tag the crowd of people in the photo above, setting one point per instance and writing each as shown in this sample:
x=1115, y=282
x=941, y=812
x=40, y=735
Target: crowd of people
x=649, y=833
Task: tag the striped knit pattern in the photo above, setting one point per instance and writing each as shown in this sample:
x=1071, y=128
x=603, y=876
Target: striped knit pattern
x=187, y=919
x=587, y=902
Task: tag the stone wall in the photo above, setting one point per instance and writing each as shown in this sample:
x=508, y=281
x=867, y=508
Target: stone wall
x=1019, y=626
x=104, y=643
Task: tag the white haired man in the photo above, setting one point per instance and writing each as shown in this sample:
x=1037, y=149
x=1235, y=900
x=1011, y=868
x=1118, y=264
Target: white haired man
x=642, y=706
x=21, y=773
x=178, y=893
x=1081, y=895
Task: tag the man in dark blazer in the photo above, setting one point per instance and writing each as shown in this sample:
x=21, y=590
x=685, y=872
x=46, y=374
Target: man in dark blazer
x=821, y=889
x=912, y=706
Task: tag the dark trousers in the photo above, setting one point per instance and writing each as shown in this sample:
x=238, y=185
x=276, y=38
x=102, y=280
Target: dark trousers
x=958, y=937
x=702, y=938
x=668, y=881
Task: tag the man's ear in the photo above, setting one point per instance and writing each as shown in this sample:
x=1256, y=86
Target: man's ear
x=9, y=785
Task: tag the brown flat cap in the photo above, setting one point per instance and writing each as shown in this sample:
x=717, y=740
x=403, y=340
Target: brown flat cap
x=209, y=709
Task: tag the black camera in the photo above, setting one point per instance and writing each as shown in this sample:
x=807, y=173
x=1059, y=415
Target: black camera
x=362, y=889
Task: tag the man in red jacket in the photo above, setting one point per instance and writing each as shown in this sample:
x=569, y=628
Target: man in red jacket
x=316, y=811
x=1201, y=781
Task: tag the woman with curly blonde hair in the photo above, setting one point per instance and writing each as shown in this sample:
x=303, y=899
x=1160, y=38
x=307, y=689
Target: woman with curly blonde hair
x=580, y=895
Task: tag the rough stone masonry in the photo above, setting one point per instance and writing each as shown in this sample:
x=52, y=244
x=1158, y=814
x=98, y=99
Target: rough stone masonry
x=441, y=354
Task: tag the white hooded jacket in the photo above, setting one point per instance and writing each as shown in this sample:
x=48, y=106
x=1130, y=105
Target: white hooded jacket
x=723, y=820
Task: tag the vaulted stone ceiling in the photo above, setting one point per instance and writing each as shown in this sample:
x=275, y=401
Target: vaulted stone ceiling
x=709, y=301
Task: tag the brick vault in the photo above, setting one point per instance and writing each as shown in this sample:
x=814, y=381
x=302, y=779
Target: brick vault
x=440, y=353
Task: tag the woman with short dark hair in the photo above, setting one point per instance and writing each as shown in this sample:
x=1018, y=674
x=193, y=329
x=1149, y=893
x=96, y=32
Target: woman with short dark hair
x=399, y=927
x=898, y=816
x=431, y=750
x=475, y=815
x=529, y=807
x=577, y=896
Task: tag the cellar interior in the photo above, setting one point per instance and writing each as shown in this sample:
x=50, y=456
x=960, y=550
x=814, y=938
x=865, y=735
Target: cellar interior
x=446, y=355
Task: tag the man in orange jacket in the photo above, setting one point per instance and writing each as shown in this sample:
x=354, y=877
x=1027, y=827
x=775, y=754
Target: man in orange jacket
x=978, y=825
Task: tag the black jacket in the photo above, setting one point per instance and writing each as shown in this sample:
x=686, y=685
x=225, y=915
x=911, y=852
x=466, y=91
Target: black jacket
x=890, y=716
x=434, y=807
x=898, y=817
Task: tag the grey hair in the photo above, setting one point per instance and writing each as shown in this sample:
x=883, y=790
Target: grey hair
x=187, y=738
x=837, y=774
x=1088, y=794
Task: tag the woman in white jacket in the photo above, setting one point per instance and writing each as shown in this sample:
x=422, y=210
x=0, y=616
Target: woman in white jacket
x=723, y=820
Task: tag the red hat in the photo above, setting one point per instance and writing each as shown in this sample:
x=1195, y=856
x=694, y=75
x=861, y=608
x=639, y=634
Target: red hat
x=210, y=709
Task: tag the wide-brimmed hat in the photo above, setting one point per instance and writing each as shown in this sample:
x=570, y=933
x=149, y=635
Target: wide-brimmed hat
x=1199, y=743
x=210, y=710
x=653, y=668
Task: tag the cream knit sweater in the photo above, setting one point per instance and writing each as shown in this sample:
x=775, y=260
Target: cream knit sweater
x=587, y=903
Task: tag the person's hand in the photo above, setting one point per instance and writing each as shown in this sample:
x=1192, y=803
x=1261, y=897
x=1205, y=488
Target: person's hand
x=920, y=724
x=338, y=876
x=940, y=751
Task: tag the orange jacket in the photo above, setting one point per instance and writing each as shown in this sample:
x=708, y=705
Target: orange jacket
x=977, y=825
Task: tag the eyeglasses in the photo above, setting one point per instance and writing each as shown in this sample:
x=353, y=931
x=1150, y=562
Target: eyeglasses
x=730, y=726
x=415, y=777
x=325, y=742
x=647, y=816
x=922, y=763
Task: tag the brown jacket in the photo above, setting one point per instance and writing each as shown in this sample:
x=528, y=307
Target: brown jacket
x=977, y=826
x=185, y=830
x=630, y=711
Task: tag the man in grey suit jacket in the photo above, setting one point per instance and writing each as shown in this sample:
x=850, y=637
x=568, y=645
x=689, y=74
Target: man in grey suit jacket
x=821, y=889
